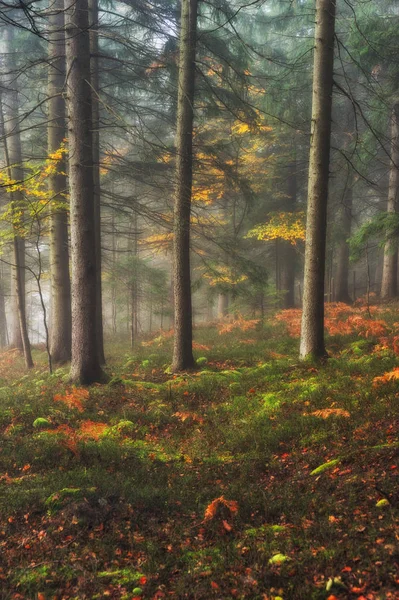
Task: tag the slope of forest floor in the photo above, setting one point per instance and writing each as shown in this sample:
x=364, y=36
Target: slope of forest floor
x=254, y=477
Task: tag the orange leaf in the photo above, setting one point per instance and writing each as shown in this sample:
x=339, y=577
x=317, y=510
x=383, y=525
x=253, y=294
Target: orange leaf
x=214, y=585
x=92, y=429
x=211, y=509
x=227, y=526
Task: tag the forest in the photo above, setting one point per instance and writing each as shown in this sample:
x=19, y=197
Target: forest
x=199, y=299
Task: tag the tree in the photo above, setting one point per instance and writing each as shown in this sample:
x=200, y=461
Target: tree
x=182, y=349
x=14, y=174
x=389, y=285
x=94, y=49
x=287, y=250
x=61, y=323
x=13, y=149
x=13, y=159
x=85, y=365
x=312, y=332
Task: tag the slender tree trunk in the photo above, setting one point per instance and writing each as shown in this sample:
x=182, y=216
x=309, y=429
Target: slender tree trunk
x=3, y=319
x=3, y=315
x=342, y=252
x=61, y=322
x=223, y=305
x=287, y=251
x=21, y=306
x=113, y=284
x=134, y=284
x=182, y=351
x=389, y=284
x=85, y=365
x=93, y=7
x=12, y=140
x=15, y=329
x=15, y=173
x=312, y=333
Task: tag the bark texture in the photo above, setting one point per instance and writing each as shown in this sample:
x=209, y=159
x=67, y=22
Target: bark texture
x=95, y=86
x=312, y=333
x=389, y=284
x=182, y=350
x=85, y=365
x=61, y=321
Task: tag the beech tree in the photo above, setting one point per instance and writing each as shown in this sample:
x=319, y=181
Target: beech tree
x=312, y=332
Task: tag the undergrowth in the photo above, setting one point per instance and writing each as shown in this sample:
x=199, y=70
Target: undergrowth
x=255, y=476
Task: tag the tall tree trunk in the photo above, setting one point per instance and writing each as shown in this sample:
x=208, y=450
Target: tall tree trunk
x=61, y=322
x=287, y=251
x=134, y=329
x=85, y=365
x=312, y=333
x=14, y=162
x=183, y=346
x=342, y=252
x=389, y=284
x=93, y=7
x=113, y=280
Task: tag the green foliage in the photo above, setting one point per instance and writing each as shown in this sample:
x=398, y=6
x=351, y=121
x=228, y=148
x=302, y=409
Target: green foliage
x=202, y=360
x=383, y=224
x=278, y=559
x=326, y=466
x=41, y=422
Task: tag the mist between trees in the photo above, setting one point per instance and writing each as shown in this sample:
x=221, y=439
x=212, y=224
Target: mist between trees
x=165, y=164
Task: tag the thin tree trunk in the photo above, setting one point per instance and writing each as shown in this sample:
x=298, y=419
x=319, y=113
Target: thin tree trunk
x=223, y=305
x=3, y=317
x=287, y=251
x=113, y=281
x=93, y=7
x=21, y=305
x=134, y=285
x=15, y=329
x=389, y=284
x=14, y=173
x=12, y=140
x=312, y=333
x=61, y=322
x=342, y=252
x=85, y=365
x=182, y=351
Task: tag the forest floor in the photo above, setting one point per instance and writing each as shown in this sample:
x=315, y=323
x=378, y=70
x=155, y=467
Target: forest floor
x=254, y=477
